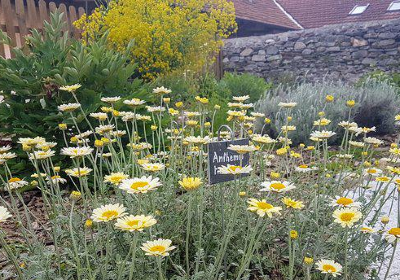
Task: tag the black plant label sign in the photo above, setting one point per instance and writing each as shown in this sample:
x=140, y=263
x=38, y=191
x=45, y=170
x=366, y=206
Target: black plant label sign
x=219, y=155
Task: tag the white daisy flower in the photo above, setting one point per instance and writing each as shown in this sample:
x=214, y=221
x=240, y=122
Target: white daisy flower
x=140, y=185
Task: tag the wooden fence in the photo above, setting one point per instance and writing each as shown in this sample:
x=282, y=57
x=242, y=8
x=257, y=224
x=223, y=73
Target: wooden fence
x=18, y=17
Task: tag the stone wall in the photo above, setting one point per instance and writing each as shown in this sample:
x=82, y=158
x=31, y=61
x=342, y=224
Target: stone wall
x=333, y=52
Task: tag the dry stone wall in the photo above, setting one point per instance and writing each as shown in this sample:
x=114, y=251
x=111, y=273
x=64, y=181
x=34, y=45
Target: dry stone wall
x=343, y=52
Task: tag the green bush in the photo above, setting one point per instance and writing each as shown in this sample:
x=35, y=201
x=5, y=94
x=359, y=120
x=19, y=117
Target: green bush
x=245, y=84
x=30, y=81
x=377, y=103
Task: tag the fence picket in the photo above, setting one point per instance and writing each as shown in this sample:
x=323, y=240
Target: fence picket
x=43, y=12
x=73, y=17
x=9, y=23
x=32, y=21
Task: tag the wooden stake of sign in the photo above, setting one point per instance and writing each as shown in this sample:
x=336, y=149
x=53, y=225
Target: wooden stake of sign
x=219, y=155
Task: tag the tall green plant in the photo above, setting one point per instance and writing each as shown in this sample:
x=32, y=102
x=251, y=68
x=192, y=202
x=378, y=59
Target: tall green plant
x=30, y=81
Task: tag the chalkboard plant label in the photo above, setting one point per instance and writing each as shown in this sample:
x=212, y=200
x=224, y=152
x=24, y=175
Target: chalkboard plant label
x=219, y=155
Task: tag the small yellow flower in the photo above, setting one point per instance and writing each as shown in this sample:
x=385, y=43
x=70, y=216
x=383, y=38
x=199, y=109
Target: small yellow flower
x=115, y=178
x=346, y=217
x=167, y=100
x=56, y=168
x=289, y=119
x=62, y=126
x=350, y=103
x=329, y=267
x=275, y=175
x=385, y=220
x=294, y=234
x=242, y=194
x=329, y=98
x=190, y=183
x=291, y=203
x=88, y=223
x=98, y=143
x=217, y=107
x=75, y=195
x=202, y=100
x=281, y=151
x=158, y=248
x=382, y=179
x=308, y=260
x=179, y=104
x=154, y=127
x=267, y=120
x=207, y=124
x=262, y=208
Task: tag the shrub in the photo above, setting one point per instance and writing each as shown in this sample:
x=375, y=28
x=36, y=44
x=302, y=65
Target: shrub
x=376, y=105
x=170, y=35
x=245, y=84
x=30, y=81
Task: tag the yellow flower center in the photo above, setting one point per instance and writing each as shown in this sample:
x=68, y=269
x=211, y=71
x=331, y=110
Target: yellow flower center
x=157, y=248
x=264, y=206
x=109, y=214
x=16, y=179
x=344, y=201
x=394, y=231
x=303, y=166
x=329, y=268
x=233, y=168
x=277, y=186
x=138, y=185
x=347, y=217
x=117, y=179
x=132, y=223
x=371, y=171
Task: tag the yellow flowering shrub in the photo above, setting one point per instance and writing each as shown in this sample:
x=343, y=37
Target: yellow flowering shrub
x=168, y=34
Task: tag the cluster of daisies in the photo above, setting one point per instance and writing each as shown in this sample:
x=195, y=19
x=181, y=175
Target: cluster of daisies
x=152, y=156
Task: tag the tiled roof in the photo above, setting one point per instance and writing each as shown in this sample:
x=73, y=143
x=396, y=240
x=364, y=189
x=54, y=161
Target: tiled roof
x=316, y=13
x=264, y=11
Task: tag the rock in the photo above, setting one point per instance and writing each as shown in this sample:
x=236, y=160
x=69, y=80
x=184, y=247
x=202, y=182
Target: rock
x=333, y=49
x=368, y=61
x=387, y=35
x=272, y=50
x=246, y=52
x=258, y=57
x=307, y=52
x=274, y=57
x=269, y=41
x=360, y=54
x=385, y=43
x=261, y=52
x=358, y=42
x=299, y=46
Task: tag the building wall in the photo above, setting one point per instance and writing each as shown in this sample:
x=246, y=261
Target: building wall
x=343, y=52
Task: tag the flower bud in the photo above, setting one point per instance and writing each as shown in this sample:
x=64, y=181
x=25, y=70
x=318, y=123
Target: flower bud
x=294, y=234
x=62, y=126
x=75, y=195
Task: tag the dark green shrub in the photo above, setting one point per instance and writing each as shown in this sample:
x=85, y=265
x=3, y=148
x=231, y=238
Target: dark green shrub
x=245, y=84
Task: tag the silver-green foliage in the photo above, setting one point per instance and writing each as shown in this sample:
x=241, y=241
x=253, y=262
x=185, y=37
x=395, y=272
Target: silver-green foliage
x=377, y=103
